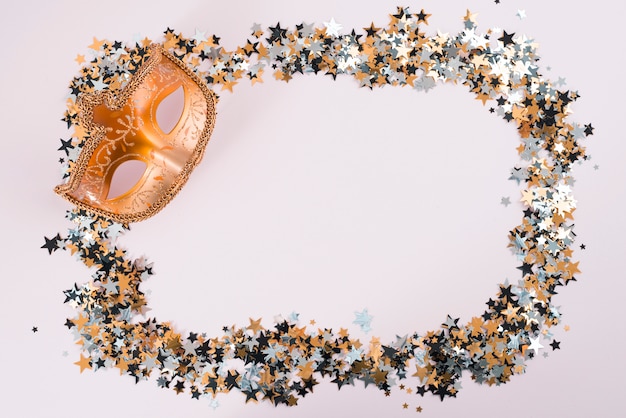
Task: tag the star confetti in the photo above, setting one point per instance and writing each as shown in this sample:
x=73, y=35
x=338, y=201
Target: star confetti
x=363, y=320
x=283, y=362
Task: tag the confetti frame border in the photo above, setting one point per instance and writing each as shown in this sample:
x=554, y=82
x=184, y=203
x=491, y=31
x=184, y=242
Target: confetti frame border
x=280, y=364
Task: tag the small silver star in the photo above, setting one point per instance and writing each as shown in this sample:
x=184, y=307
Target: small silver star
x=214, y=404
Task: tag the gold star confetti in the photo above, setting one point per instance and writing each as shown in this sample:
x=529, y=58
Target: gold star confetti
x=83, y=363
x=96, y=44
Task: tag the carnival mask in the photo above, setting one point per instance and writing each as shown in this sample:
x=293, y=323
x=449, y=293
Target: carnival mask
x=124, y=127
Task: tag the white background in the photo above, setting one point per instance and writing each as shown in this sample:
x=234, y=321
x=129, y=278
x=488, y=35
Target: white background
x=321, y=198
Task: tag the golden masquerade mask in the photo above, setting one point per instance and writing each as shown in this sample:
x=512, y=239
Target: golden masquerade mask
x=124, y=127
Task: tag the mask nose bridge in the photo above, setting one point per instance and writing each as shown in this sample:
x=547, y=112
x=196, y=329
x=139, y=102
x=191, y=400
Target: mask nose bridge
x=165, y=146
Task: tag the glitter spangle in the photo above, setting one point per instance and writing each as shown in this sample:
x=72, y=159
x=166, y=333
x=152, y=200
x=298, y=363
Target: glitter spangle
x=282, y=363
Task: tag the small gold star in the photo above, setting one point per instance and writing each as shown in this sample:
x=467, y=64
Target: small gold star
x=255, y=326
x=83, y=363
x=96, y=44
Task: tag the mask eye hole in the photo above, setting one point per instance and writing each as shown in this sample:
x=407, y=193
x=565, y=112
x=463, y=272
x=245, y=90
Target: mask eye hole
x=125, y=177
x=170, y=110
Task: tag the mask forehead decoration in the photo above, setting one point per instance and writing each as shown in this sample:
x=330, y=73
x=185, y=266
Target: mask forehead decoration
x=124, y=128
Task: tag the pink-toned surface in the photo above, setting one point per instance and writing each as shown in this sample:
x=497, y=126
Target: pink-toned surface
x=321, y=198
